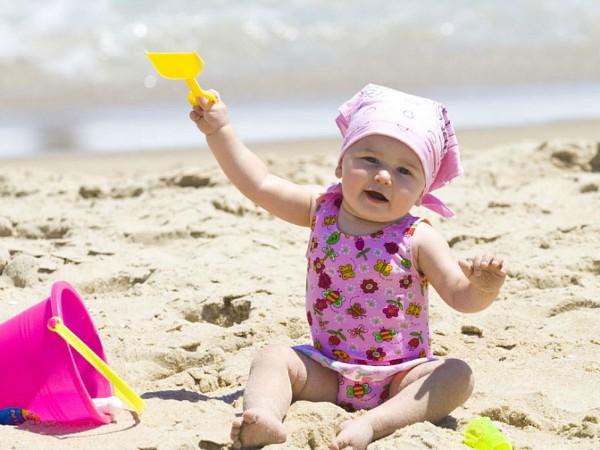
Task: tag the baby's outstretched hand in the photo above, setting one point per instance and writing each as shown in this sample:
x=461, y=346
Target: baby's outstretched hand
x=486, y=272
x=209, y=117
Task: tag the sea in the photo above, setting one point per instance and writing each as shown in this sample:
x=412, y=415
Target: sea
x=74, y=76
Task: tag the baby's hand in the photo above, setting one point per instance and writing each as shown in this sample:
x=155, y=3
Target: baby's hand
x=486, y=272
x=209, y=117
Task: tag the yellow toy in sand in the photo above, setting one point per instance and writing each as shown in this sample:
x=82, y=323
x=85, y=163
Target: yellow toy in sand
x=182, y=66
x=482, y=434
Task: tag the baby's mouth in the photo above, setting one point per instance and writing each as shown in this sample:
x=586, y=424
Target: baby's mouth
x=377, y=196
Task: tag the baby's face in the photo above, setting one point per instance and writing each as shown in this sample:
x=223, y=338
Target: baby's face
x=382, y=179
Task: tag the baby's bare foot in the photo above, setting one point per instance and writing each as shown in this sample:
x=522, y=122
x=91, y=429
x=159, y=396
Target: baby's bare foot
x=355, y=435
x=257, y=428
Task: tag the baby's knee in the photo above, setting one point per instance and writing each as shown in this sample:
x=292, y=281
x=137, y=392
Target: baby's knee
x=274, y=355
x=280, y=359
x=462, y=375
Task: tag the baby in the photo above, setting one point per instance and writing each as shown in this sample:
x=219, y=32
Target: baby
x=370, y=263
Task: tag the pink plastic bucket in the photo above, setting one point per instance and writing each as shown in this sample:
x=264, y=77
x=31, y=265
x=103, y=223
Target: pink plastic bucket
x=40, y=372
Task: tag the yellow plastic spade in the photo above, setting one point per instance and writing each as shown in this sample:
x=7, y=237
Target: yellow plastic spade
x=182, y=66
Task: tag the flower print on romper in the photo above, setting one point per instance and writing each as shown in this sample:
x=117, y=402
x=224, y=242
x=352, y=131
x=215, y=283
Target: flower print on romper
x=393, y=308
x=337, y=337
x=360, y=246
x=369, y=286
x=415, y=341
x=319, y=265
x=376, y=354
x=406, y=282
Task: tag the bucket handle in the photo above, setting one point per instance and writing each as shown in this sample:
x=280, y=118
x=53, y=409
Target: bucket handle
x=122, y=390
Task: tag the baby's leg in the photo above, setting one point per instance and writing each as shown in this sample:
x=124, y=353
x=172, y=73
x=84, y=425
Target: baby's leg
x=428, y=392
x=278, y=376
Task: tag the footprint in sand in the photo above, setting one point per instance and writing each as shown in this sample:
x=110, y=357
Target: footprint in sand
x=6, y=227
x=584, y=156
x=50, y=228
x=225, y=313
x=4, y=258
x=121, y=281
x=573, y=305
x=22, y=269
x=595, y=161
x=588, y=429
x=121, y=192
x=236, y=206
x=465, y=241
x=190, y=178
x=510, y=416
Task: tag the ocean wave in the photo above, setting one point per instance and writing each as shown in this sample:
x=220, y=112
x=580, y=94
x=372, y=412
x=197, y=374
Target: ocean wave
x=75, y=74
x=68, y=51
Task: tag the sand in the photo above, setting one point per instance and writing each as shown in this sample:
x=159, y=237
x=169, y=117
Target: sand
x=186, y=280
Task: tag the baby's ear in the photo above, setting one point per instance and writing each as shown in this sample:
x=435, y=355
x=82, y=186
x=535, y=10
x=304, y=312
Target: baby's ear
x=338, y=171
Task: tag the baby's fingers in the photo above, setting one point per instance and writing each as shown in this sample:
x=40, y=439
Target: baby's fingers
x=196, y=115
x=499, y=264
x=466, y=267
x=489, y=262
x=206, y=103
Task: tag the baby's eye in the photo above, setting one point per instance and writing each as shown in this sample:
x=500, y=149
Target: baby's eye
x=371, y=159
x=403, y=170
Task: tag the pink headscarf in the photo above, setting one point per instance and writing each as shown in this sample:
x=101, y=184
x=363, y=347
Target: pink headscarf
x=420, y=123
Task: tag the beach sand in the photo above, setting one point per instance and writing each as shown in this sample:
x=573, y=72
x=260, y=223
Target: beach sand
x=185, y=280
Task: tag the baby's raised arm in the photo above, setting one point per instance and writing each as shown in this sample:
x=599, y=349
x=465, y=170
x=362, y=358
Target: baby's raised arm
x=465, y=286
x=283, y=198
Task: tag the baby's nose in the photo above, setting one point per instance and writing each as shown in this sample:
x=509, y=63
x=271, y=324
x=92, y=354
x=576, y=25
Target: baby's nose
x=383, y=177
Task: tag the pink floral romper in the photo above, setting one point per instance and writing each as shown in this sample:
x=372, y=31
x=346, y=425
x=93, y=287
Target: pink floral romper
x=367, y=306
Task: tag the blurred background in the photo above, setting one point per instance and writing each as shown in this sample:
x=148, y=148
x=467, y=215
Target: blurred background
x=75, y=77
